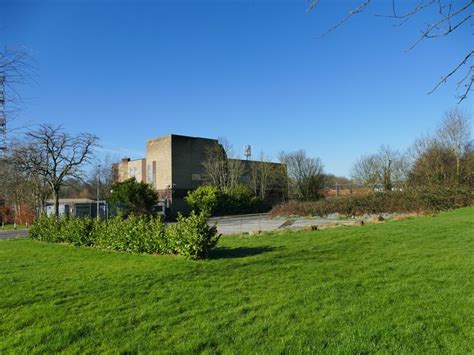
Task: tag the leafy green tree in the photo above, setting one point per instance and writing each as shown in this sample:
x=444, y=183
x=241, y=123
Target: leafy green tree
x=204, y=199
x=212, y=201
x=134, y=197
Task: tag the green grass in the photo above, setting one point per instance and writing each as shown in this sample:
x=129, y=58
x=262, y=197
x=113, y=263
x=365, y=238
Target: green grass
x=12, y=226
x=393, y=287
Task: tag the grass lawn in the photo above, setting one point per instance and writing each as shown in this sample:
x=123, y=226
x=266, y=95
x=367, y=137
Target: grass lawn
x=394, y=287
x=12, y=226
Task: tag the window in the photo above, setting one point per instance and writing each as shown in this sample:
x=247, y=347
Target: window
x=149, y=174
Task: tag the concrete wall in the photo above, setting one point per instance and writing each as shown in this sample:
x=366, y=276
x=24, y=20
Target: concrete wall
x=158, y=160
x=174, y=165
x=136, y=168
x=188, y=155
x=129, y=168
x=120, y=170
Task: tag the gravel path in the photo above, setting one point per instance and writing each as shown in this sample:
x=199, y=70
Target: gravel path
x=262, y=222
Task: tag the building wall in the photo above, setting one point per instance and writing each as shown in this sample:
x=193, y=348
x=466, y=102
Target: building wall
x=120, y=170
x=174, y=165
x=129, y=168
x=78, y=209
x=137, y=169
x=158, y=162
x=188, y=155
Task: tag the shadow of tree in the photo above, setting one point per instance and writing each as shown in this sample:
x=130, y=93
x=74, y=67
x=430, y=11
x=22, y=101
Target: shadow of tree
x=241, y=252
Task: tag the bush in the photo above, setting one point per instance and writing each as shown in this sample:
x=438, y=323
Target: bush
x=215, y=202
x=240, y=201
x=191, y=236
x=47, y=229
x=204, y=199
x=412, y=200
x=132, y=197
x=77, y=231
x=134, y=234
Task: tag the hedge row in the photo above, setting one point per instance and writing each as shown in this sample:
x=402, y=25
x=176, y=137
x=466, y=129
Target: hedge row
x=380, y=202
x=190, y=236
x=216, y=202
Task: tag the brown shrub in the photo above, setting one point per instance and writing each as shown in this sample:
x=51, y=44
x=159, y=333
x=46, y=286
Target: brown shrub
x=412, y=200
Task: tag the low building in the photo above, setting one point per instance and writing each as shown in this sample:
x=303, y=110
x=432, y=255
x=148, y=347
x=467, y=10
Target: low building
x=77, y=207
x=174, y=165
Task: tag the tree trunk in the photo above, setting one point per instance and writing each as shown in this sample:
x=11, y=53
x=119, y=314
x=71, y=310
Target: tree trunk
x=56, y=202
x=42, y=206
x=458, y=169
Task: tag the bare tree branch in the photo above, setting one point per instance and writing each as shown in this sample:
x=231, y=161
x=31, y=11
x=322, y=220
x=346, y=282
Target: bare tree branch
x=466, y=77
x=305, y=174
x=17, y=68
x=450, y=18
x=53, y=155
x=361, y=7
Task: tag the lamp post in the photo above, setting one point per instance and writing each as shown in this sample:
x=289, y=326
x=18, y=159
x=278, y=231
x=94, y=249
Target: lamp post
x=107, y=205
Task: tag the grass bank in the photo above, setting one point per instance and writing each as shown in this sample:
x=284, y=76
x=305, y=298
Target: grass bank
x=401, y=286
x=12, y=227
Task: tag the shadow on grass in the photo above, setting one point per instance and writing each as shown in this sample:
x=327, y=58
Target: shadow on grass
x=241, y=252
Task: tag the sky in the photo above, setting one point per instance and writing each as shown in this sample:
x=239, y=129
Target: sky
x=254, y=72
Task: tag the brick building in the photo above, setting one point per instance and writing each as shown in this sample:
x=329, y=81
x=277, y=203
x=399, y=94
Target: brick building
x=173, y=166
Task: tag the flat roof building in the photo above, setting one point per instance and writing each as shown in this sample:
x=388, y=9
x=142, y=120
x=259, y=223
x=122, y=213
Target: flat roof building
x=173, y=166
x=77, y=207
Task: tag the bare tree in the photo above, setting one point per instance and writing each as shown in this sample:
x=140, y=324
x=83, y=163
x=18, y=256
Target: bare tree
x=366, y=171
x=455, y=134
x=23, y=188
x=262, y=175
x=444, y=158
x=235, y=167
x=305, y=174
x=55, y=156
x=450, y=16
x=235, y=172
x=388, y=168
x=215, y=166
x=15, y=69
x=434, y=167
x=221, y=169
x=467, y=169
x=101, y=175
x=19, y=190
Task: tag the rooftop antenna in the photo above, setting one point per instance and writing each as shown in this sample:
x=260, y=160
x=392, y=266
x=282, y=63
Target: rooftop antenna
x=3, y=137
x=247, y=151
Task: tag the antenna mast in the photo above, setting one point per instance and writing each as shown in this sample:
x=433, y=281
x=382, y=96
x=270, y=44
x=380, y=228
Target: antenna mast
x=3, y=118
x=247, y=152
x=3, y=143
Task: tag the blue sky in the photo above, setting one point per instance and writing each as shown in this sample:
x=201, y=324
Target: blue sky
x=255, y=72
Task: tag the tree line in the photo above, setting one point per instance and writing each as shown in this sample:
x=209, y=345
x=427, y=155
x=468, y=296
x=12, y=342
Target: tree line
x=296, y=175
x=42, y=164
x=443, y=158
